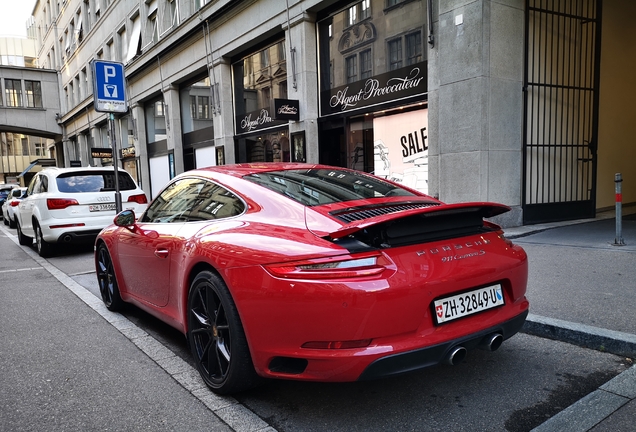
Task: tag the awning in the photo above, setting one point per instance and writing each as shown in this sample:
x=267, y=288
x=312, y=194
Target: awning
x=41, y=162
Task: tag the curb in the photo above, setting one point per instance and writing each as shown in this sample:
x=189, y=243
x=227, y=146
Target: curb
x=614, y=342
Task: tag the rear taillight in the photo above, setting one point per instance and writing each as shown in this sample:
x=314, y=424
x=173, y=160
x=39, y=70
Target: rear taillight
x=60, y=203
x=350, y=266
x=139, y=199
x=14, y=203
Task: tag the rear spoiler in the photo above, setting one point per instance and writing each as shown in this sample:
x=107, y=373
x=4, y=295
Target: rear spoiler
x=479, y=209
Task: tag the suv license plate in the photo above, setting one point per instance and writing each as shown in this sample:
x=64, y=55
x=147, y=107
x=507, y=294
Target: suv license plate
x=468, y=303
x=101, y=207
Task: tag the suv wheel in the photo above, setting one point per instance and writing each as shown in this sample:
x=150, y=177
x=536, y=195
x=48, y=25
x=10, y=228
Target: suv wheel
x=44, y=249
x=22, y=239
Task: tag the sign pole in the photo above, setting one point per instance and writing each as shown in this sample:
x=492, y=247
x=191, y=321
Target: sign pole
x=110, y=97
x=113, y=143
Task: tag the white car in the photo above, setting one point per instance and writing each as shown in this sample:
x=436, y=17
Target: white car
x=72, y=205
x=10, y=204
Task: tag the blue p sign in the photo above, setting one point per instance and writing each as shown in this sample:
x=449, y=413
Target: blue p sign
x=110, y=87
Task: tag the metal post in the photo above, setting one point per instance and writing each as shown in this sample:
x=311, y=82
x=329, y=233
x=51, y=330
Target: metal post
x=618, y=180
x=113, y=143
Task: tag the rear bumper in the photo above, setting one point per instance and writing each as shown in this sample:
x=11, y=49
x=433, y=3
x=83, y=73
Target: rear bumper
x=430, y=356
x=75, y=237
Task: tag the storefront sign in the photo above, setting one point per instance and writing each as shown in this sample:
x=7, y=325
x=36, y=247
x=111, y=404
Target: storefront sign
x=128, y=152
x=101, y=153
x=286, y=109
x=387, y=87
x=255, y=121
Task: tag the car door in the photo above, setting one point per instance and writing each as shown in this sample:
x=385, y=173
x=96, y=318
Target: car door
x=149, y=253
x=28, y=204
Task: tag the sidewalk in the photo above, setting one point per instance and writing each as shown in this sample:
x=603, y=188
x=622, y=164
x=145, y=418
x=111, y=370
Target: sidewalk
x=582, y=290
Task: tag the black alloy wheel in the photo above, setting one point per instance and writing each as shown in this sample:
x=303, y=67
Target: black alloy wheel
x=22, y=239
x=45, y=249
x=216, y=336
x=106, y=279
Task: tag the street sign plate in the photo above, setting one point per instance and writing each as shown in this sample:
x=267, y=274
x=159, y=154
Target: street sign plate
x=110, y=87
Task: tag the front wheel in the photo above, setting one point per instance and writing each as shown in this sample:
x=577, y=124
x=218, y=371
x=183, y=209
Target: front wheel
x=106, y=279
x=216, y=336
x=45, y=249
x=23, y=239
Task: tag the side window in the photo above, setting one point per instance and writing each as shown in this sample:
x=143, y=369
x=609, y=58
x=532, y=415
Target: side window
x=34, y=185
x=44, y=184
x=193, y=199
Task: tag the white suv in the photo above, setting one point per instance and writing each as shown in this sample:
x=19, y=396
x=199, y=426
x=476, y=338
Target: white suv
x=72, y=205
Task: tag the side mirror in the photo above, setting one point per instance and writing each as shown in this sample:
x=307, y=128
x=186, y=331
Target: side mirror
x=125, y=218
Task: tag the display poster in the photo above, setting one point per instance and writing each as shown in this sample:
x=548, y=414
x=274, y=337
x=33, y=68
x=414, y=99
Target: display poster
x=401, y=148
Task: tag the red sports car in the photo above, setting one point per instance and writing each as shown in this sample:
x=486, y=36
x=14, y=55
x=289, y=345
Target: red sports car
x=312, y=272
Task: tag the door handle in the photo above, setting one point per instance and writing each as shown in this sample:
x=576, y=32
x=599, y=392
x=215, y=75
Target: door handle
x=161, y=253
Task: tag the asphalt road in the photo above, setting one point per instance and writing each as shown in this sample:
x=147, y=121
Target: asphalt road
x=525, y=382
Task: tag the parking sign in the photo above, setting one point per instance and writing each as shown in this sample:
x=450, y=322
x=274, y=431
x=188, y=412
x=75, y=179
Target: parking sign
x=110, y=87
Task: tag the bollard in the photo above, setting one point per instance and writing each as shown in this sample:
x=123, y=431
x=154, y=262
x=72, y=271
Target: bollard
x=618, y=180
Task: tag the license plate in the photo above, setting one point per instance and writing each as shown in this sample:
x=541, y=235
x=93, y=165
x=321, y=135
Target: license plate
x=101, y=207
x=468, y=303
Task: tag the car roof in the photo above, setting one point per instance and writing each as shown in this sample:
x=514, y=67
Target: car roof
x=241, y=170
x=58, y=170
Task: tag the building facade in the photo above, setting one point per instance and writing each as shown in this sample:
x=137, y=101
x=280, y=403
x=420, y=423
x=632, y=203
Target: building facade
x=434, y=94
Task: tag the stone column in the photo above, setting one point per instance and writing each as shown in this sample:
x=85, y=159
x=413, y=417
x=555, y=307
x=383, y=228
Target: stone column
x=302, y=38
x=173, y=125
x=139, y=118
x=224, y=117
x=476, y=103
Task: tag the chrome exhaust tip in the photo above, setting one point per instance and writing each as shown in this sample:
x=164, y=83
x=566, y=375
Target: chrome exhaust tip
x=492, y=342
x=456, y=356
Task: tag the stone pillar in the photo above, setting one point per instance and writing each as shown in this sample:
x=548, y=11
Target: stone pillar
x=224, y=117
x=302, y=38
x=173, y=125
x=139, y=118
x=476, y=103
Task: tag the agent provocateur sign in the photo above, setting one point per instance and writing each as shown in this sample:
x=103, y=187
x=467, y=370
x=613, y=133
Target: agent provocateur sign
x=397, y=84
x=286, y=109
x=256, y=120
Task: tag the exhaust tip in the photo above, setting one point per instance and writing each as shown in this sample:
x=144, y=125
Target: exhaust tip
x=492, y=342
x=456, y=356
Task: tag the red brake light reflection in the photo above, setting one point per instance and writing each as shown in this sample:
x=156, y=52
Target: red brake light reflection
x=60, y=203
x=139, y=199
x=332, y=268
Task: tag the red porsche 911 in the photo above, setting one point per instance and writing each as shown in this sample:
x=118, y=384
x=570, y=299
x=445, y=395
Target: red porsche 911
x=312, y=272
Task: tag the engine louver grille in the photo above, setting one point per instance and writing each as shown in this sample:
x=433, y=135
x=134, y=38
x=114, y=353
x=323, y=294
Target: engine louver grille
x=351, y=215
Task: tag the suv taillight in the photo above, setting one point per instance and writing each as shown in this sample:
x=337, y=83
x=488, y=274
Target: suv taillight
x=139, y=199
x=60, y=203
x=14, y=203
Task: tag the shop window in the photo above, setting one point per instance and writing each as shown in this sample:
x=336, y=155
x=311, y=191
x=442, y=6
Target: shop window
x=33, y=90
x=395, y=54
x=264, y=78
x=13, y=92
x=155, y=121
x=196, y=119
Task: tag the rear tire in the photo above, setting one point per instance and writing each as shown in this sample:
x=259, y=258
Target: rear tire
x=216, y=337
x=23, y=239
x=108, y=287
x=12, y=222
x=45, y=249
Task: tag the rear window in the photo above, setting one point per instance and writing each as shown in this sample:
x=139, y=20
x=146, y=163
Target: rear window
x=93, y=182
x=325, y=186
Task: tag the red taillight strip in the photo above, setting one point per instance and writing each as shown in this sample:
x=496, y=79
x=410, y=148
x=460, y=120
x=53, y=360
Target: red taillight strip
x=139, y=199
x=60, y=203
x=67, y=225
x=350, y=266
